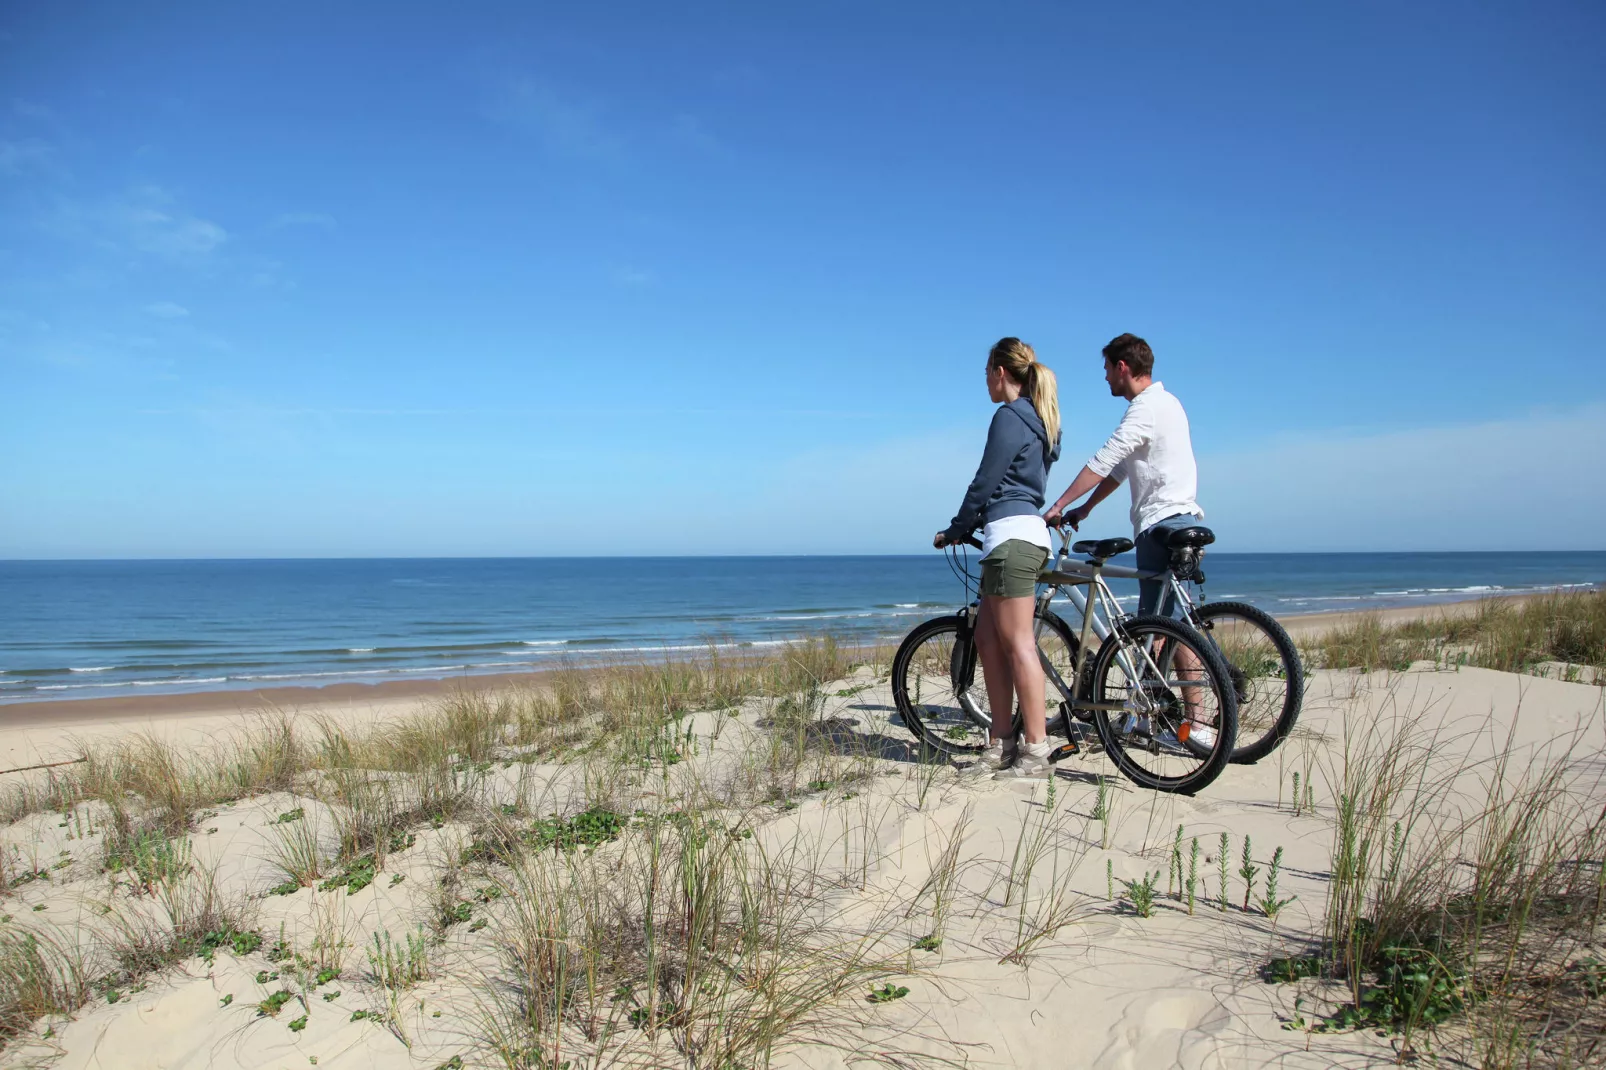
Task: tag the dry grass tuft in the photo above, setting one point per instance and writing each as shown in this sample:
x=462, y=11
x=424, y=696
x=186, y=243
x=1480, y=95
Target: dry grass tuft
x=1510, y=636
x=1467, y=894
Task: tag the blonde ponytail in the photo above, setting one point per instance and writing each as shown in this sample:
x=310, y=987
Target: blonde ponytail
x=1045, y=393
x=1019, y=360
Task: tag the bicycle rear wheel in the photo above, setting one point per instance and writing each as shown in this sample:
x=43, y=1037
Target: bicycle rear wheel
x=1170, y=682
x=1267, y=675
x=936, y=675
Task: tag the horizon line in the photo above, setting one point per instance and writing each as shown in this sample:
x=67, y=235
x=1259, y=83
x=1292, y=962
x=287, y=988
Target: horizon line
x=691, y=556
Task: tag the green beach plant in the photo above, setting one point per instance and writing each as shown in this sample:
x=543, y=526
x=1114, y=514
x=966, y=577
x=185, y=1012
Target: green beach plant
x=1193, y=873
x=1221, y=869
x=1140, y=893
x=1248, y=871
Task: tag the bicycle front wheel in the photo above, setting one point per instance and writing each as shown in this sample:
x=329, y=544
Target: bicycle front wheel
x=1267, y=676
x=939, y=688
x=1178, y=716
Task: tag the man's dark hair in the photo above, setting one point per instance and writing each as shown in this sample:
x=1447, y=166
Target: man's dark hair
x=1134, y=351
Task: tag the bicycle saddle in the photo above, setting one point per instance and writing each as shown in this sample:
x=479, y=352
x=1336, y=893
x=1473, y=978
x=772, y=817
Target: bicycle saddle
x=1099, y=549
x=1192, y=535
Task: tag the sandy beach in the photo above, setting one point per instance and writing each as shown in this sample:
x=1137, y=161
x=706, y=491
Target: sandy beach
x=917, y=868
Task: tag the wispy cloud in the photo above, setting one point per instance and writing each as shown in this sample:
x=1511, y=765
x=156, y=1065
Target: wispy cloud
x=566, y=126
x=147, y=219
x=29, y=154
x=167, y=310
x=28, y=109
x=634, y=276
x=1527, y=482
x=691, y=132
x=153, y=224
x=302, y=219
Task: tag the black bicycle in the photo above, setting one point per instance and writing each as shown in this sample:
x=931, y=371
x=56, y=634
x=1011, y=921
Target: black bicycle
x=1267, y=674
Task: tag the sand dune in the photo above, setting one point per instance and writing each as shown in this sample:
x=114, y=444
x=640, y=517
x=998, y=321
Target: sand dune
x=1101, y=987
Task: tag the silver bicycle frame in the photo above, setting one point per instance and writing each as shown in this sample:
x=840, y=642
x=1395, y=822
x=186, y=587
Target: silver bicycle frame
x=1097, y=621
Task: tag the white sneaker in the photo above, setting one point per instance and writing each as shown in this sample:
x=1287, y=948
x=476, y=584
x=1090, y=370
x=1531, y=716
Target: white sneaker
x=998, y=754
x=1031, y=763
x=1202, y=735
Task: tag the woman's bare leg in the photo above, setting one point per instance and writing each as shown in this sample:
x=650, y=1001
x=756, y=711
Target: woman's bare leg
x=1013, y=620
x=996, y=664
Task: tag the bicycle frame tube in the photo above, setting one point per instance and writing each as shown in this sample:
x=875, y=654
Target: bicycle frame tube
x=1071, y=576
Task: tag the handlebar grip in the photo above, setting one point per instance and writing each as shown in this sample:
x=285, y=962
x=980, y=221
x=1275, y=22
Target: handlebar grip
x=971, y=540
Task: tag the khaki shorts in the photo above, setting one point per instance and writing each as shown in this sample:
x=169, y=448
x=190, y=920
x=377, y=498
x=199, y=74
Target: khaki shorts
x=1010, y=571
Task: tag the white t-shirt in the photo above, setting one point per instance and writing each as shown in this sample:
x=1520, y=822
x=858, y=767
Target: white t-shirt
x=1151, y=447
x=1028, y=527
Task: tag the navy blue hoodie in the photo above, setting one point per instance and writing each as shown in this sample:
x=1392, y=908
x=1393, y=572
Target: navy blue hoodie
x=1014, y=469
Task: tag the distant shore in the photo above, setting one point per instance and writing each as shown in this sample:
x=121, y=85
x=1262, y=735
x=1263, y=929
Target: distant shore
x=377, y=698
x=1306, y=624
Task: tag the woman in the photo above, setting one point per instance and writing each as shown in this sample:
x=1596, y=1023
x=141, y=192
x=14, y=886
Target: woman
x=1004, y=501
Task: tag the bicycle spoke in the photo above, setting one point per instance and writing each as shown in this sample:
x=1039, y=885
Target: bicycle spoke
x=1170, y=734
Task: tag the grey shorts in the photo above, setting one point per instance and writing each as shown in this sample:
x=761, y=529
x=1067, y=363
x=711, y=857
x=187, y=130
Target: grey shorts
x=1010, y=571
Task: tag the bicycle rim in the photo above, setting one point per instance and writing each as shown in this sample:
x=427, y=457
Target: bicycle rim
x=930, y=691
x=1267, y=676
x=1167, y=696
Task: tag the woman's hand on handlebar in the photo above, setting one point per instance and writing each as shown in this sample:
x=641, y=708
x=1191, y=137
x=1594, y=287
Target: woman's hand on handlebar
x=943, y=540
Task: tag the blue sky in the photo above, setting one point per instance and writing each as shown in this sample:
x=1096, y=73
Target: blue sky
x=514, y=279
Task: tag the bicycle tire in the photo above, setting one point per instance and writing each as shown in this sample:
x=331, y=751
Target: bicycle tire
x=936, y=723
x=963, y=665
x=1261, y=728
x=1120, y=745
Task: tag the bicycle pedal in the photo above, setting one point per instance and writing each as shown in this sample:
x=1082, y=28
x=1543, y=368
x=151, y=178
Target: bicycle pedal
x=1063, y=751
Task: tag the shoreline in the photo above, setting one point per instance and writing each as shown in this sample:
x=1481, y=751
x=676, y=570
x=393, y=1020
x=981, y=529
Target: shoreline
x=386, y=695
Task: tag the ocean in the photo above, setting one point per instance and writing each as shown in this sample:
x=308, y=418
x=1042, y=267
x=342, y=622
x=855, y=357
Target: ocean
x=81, y=629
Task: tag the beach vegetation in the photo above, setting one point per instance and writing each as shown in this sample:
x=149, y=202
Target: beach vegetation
x=657, y=906
x=1525, y=636
x=1140, y=893
x=1466, y=888
x=40, y=975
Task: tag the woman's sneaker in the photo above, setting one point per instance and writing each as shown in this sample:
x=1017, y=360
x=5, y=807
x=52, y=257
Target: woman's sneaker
x=998, y=754
x=1031, y=763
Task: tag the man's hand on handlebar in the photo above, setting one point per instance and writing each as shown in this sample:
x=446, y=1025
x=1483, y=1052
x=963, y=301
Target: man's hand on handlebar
x=1055, y=519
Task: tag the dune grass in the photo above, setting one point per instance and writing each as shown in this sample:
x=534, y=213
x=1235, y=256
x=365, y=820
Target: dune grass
x=568, y=707
x=719, y=946
x=1466, y=894
x=1509, y=635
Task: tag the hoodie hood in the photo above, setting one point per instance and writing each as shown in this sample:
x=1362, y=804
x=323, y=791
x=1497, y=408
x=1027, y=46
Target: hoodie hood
x=1022, y=407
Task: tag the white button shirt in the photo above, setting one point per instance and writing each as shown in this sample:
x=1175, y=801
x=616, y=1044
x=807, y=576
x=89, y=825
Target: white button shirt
x=1152, y=449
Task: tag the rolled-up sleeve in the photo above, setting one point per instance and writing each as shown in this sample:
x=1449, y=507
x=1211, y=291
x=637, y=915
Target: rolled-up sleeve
x=1135, y=428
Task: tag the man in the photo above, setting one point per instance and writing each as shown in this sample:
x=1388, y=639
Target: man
x=1150, y=448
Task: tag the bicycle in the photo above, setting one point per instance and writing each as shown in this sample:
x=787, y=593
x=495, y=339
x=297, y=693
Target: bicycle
x=1268, y=677
x=1143, y=705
